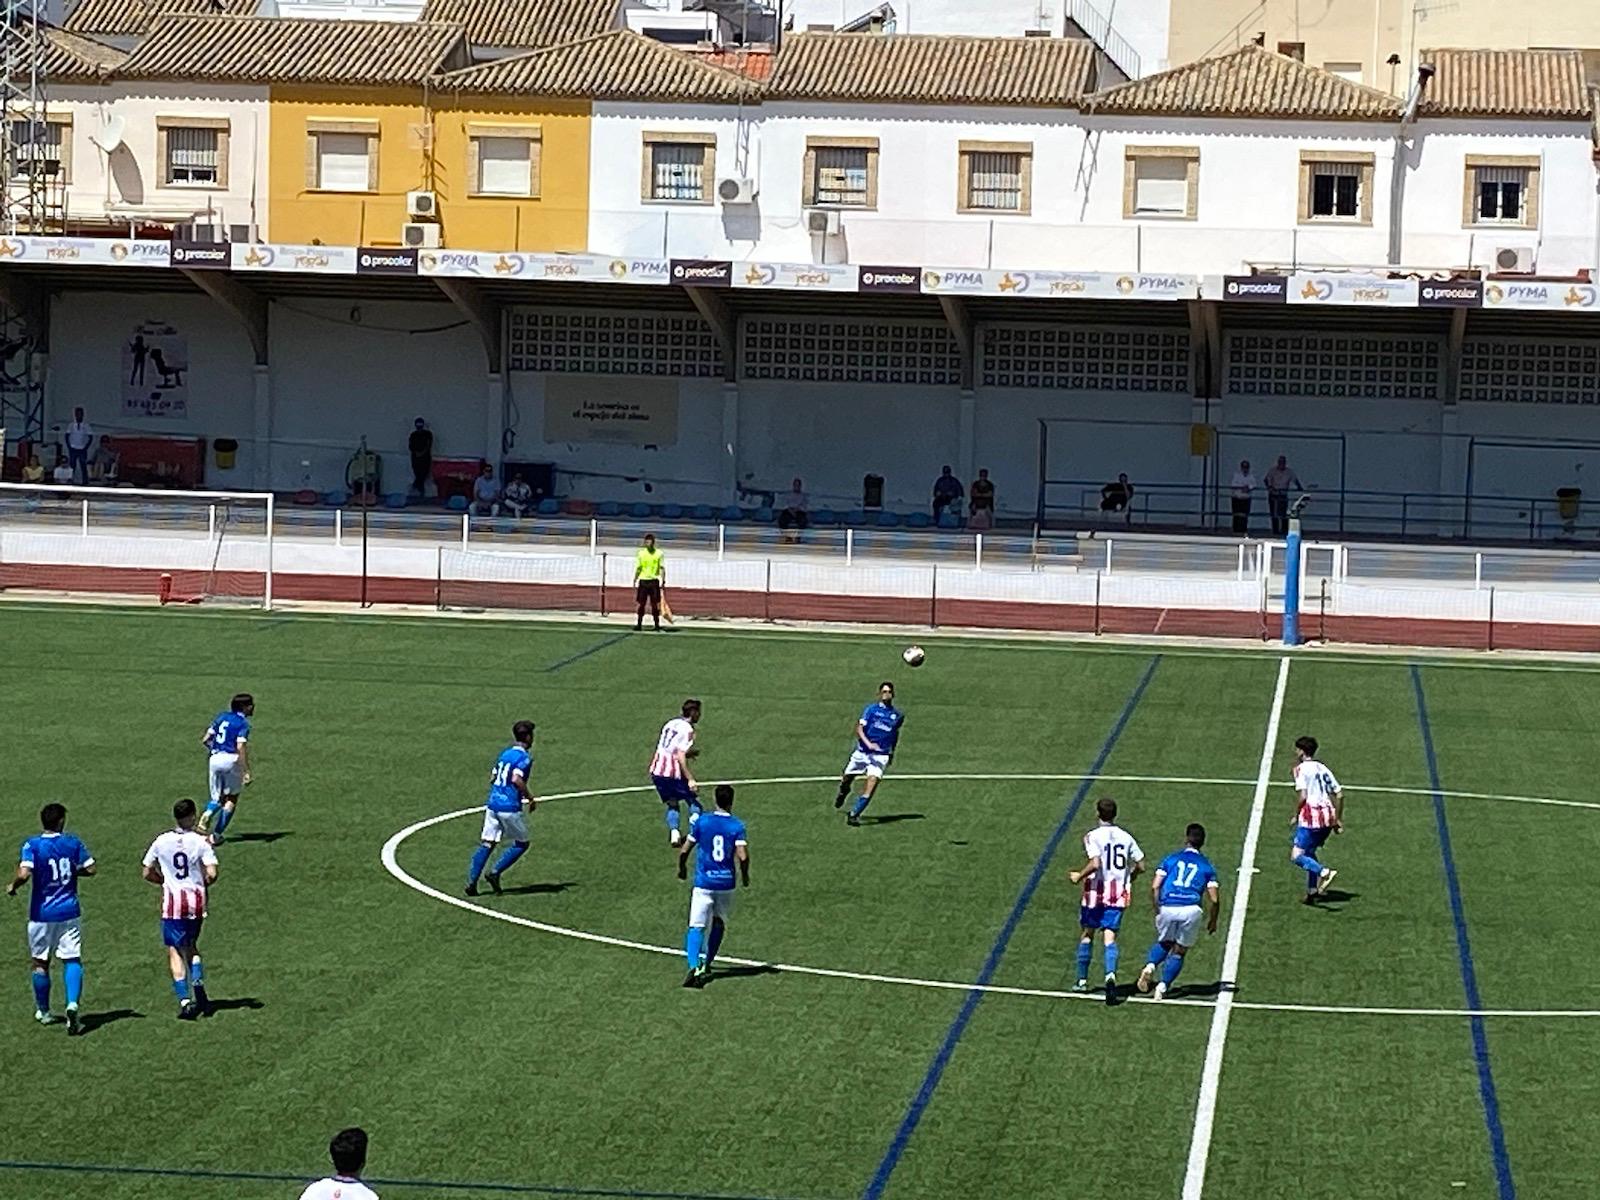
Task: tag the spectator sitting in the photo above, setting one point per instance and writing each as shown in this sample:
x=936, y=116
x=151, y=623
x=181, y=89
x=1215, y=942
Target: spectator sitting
x=62, y=475
x=486, y=493
x=794, y=515
x=1116, y=496
x=980, y=519
x=981, y=495
x=947, y=490
x=103, y=466
x=34, y=471
x=519, y=497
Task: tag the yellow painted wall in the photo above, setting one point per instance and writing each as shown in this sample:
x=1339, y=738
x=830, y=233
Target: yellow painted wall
x=557, y=219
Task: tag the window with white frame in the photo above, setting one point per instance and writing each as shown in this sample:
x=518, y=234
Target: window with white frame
x=193, y=152
x=40, y=148
x=342, y=156
x=1502, y=190
x=841, y=173
x=679, y=168
x=505, y=166
x=1161, y=183
x=1336, y=186
x=996, y=177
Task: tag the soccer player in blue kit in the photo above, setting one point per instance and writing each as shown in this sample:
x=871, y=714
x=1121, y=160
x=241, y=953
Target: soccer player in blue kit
x=722, y=841
x=505, y=815
x=877, y=734
x=1184, y=882
x=227, y=764
x=54, y=860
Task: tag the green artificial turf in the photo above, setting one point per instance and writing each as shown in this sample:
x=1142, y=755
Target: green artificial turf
x=481, y=1051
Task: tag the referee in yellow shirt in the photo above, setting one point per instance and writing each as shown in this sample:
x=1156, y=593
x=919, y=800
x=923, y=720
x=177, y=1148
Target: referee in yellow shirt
x=649, y=575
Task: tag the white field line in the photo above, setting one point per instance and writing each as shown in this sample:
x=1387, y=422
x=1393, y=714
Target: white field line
x=1205, y=1114
x=391, y=848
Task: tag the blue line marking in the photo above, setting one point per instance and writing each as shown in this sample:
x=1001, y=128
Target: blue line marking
x=447, y=1185
x=1469, y=974
x=958, y=1027
x=585, y=653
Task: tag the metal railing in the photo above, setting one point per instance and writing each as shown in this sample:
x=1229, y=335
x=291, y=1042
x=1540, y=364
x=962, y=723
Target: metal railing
x=1098, y=26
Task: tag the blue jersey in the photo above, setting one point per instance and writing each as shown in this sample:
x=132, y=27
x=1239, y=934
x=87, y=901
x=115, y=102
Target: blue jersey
x=1188, y=874
x=716, y=834
x=503, y=794
x=882, y=723
x=55, y=860
x=227, y=731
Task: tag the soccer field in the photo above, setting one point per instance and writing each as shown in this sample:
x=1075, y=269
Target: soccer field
x=901, y=1025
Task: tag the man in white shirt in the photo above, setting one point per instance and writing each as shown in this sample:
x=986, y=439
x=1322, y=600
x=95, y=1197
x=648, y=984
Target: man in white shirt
x=1239, y=492
x=62, y=475
x=80, y=436
x=349, y=1153
x=1278, y=480
x=486, y=493
x=519, y=497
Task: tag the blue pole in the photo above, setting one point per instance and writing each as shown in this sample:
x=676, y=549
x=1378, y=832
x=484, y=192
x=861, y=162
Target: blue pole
x=1291, y=584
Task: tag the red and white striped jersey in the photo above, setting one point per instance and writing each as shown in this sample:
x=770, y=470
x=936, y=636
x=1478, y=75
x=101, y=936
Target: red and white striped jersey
x=183, y=856
x=677, y=734
x=1317, y=788
x=1109, y=887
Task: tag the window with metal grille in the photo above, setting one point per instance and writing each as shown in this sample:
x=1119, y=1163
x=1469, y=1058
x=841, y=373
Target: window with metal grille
x=37, y=147
x=192, y=156
x=1502, y=195
x=1336, y=190
x=994, y=180
x=842, y=176
x=677, y=171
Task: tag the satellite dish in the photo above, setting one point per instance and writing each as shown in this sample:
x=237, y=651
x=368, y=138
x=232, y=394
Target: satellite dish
x=109, y=136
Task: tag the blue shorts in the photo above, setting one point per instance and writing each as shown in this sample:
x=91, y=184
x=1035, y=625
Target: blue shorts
x=181, y=931
x=672, y=790
x=1101, y=916
x=1311, y=840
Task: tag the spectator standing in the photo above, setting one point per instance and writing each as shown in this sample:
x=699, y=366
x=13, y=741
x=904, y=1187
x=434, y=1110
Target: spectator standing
x=519, y=497
x=34, y=471
x=349, y=1153
x=420, y=444
x=1117, y=497
x=796, y=513
x=1278, y=480
x=80, y=435
x=980, y=497
x=649, y=577
x=486, y=493
x=1239, y=491
x=947, y=490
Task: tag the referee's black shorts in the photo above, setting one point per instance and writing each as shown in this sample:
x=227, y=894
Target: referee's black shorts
x=648, y=589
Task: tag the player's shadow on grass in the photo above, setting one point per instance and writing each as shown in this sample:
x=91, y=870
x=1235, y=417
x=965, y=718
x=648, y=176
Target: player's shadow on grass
x=275, y=836
x=234, y=1004
x=720, y=973
x=94, y=1020
x=539, y=889
x=1334, y=900
x=1201, y=991
x=891, y=818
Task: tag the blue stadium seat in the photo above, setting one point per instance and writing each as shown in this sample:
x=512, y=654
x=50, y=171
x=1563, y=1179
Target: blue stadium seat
x=703, y=512
x=763, y=516
x=672, y=512
x=549, y=507
x=888, y=520
x=337, y=498
x=825, y=518
x=642, y=511
x=857, y=518
x=732, y=515
x=608, y=508
x=919, y=521
x=949, y=520
x=456, y=504
x=395, y=500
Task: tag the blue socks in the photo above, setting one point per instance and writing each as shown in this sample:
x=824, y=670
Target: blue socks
x=1169, y=972
x=513, y=852
x=1113, y=951
x=1085, y=953
x=180, y=989
x=691, y=946
x=672, y=819
x=480, y=859
x=197, y=973
x=212, y=809
x=41, y=990
x=224, y=815
x=1158, y=952
x=72, y=972
x=1310, y=866
x=715, y=944
x=694, y=808
x=860, y=806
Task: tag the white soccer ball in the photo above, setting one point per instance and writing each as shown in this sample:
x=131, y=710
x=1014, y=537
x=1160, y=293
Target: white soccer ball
x=914, y=655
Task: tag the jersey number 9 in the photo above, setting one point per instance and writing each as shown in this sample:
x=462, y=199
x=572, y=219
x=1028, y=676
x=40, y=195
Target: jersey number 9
x=180, y=865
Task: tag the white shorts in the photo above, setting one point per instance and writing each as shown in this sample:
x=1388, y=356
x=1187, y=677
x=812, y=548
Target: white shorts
x=705, y=904
x=226, y=777
x=864, y=762
x=511, y=826
x=1181, y=925
x=61, y=938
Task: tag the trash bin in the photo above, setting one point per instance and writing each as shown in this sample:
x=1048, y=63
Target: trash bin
x=1567, y=502
x=872, y=491
x=227, y=453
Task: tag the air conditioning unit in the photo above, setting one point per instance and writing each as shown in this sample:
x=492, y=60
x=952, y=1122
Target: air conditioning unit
x=1513, y=260
x=419, y=235
x=737, y=191
x=824, y=221
x=423, y=204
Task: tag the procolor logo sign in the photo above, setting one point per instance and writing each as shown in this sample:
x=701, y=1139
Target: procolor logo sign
x=215, y=256
x=700, y=272
x=1260, y=289
x=1454, y=293
x=891, y=279
x=386, y=261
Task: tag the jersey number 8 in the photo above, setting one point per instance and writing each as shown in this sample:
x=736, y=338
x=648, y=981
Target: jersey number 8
x=719, y=849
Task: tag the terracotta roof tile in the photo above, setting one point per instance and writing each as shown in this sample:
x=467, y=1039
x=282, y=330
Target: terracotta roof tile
x=126, y=17
x=619, y=65
x=70, y=56
x=1249, y=82
x=1506, y=83
x=928, y=69
x=290, y=50
x=526, y=24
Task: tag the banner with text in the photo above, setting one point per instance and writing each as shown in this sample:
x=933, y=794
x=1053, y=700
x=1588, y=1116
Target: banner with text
x=603, y=408
x=155, y=369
